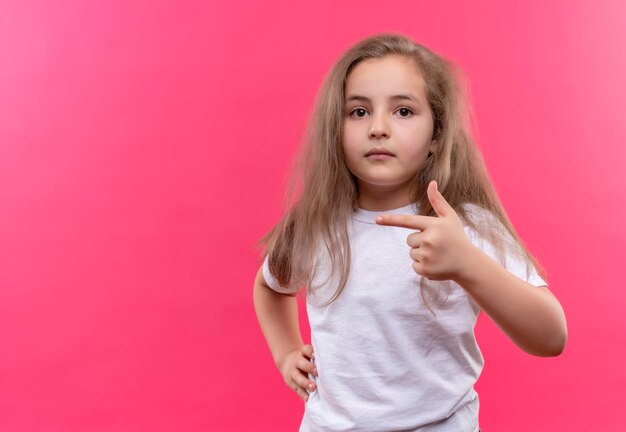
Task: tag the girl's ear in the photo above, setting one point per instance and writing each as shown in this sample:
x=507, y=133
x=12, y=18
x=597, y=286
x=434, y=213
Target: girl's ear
x=433, y=146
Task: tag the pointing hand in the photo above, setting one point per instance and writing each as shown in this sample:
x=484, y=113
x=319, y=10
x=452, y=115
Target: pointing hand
x=440, y=249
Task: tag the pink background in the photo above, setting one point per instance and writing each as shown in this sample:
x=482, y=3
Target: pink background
x=143, y=150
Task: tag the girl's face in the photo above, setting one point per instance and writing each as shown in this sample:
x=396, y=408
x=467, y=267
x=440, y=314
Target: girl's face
x=386, y=110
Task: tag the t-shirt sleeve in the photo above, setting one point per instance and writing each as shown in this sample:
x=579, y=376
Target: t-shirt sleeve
x=513, y=260
x=273, y=283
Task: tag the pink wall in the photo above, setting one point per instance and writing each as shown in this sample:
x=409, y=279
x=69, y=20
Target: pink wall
x=143, y=150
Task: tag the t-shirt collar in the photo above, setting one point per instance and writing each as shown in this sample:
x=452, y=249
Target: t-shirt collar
x=369, y=216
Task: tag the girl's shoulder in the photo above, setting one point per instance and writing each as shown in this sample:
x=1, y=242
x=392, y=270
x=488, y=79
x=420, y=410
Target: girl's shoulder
x=270, y=280
x=494, y=239
x=479, y=214
x=484, y=225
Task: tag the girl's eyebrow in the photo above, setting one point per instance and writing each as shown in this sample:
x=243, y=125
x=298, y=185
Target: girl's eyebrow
x=394, y=97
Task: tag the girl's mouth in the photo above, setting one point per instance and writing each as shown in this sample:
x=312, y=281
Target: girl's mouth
x=379, y=156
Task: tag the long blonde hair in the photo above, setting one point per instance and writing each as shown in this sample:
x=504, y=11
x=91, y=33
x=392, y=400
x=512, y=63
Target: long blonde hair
x=322, y=194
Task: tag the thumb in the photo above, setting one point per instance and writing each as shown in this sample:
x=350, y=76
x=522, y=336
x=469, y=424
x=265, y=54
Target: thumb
x=439, y=203
x=307, y=350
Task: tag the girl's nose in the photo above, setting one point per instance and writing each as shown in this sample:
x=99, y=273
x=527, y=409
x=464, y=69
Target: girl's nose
x=378, y=128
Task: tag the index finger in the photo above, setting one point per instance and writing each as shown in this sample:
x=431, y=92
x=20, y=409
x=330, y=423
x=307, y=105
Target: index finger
x=419, y=222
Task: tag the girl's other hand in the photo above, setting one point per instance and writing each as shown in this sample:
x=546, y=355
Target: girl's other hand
x=295, y=367
x=440, y=249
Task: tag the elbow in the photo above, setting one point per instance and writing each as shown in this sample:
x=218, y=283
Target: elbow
x=555, y=348
x=559, y=347
x=559, y=337
x=549, y=343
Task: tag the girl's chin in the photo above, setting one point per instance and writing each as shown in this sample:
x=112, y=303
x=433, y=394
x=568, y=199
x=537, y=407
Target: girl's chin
x=381, y=183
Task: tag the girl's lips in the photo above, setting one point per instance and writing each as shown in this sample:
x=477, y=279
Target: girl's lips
x=379, y=150
x=379, y=156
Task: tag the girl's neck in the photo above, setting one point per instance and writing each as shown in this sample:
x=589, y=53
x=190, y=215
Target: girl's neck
x=383, y=202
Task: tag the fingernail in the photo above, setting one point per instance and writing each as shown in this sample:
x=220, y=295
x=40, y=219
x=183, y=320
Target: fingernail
x=315, y=371
x=311, y=386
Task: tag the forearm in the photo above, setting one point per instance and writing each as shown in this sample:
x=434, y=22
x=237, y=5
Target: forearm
x=278, y=317
x=530, y=316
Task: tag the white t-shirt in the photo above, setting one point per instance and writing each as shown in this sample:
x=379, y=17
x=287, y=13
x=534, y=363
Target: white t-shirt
x=384, y=362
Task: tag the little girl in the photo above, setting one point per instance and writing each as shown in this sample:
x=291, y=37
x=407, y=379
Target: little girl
x=401, y=240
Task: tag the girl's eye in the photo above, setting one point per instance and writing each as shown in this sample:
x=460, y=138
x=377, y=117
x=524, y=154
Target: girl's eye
x=405, y=112
x=355, y=110
x=404, y=109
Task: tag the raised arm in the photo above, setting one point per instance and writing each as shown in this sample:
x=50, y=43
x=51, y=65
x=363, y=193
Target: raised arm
x=530, y=316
